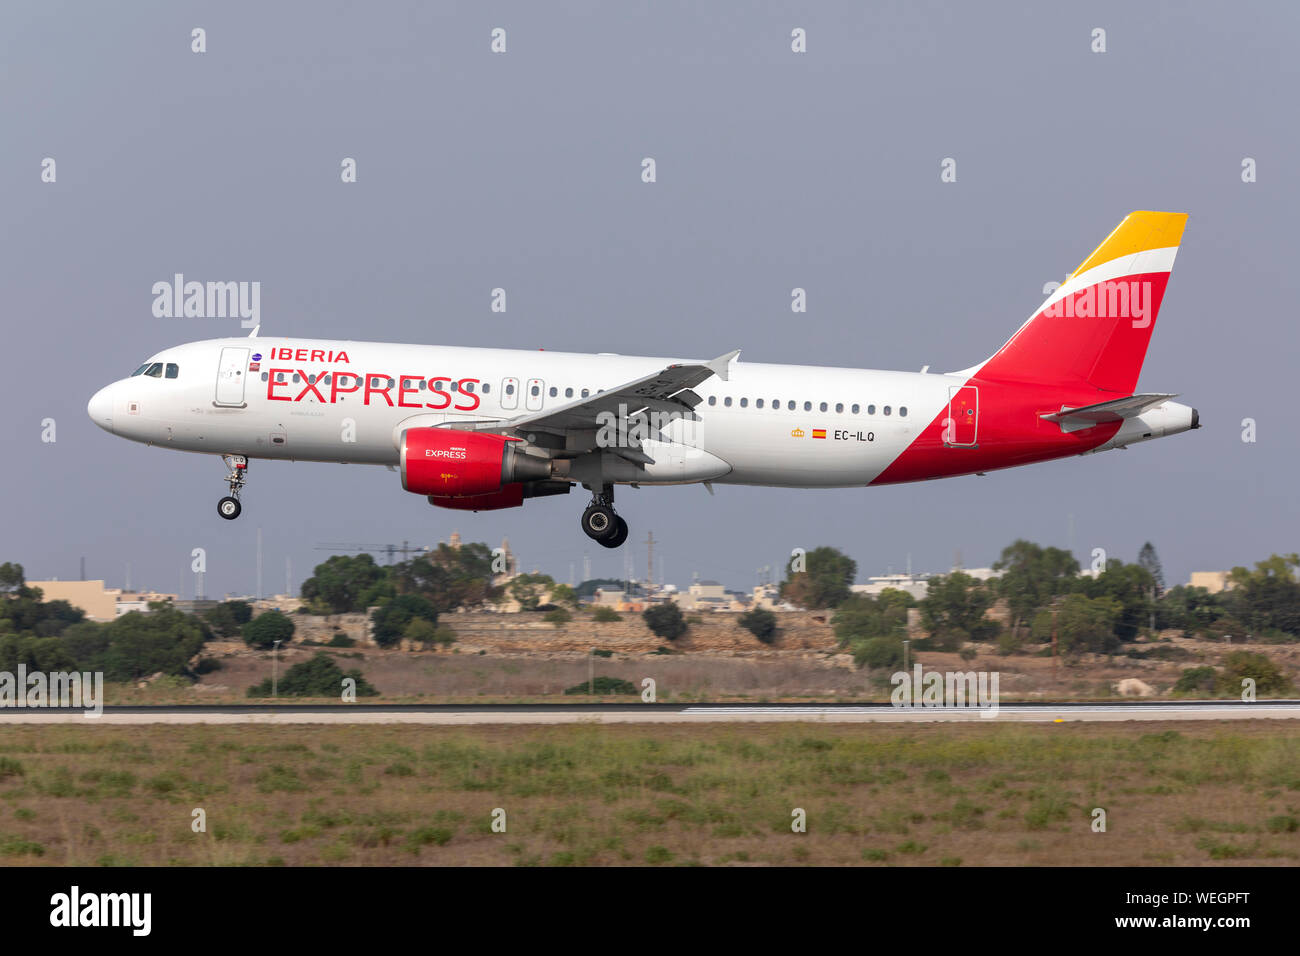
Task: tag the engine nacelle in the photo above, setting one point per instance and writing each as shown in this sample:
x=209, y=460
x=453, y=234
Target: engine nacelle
x=452, y=463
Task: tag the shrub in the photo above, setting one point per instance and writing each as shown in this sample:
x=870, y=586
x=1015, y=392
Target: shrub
x=760, y=622
x=604, y=685
x=665, y=620
x=605, y=615
x=341, y=640
x=267, y=628
x=876, y=652
x=320, y=676
x=1238, y=665
x=558, y=617
x=1196, y=680
x=391, y=618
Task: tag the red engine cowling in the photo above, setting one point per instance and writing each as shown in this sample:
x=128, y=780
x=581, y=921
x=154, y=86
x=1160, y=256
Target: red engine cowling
x=451, y=463
x=511, y=496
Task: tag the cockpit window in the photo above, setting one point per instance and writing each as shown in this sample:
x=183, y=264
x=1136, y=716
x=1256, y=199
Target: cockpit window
x=154, y=370
x=140, y=370
x=173, y=369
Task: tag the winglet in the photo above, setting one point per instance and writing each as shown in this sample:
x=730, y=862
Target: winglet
x=721, y=364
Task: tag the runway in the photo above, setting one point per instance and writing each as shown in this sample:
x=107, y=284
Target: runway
x=639, y=713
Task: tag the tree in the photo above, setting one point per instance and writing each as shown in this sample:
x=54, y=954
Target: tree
x=228, y=617
x=529, y=589
x=267, y=628
x=564, y=595
x=1032, y=576
x=449, y=578
x=141, y=644
x=345, y=583
x=954, y=608
x=391, y=618
x=12, y=579
x=320, y=676
x=760, y=622
x=665, y=620
x=1131, y=586
x=1267, y=598
x=1082, y=624
x=863, y=616
x=1150, y=562
x=823, y=582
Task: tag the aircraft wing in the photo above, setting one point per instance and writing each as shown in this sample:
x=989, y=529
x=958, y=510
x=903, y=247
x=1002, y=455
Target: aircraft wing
x=1113, y=411
x=668, y=390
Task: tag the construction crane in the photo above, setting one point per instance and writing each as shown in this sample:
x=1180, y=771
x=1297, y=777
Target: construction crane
x=388, y=549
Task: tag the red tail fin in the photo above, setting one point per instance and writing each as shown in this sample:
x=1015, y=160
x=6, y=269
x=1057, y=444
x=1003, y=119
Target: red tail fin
x=1095, y=328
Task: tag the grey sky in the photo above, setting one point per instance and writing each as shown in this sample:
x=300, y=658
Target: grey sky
x=522, y=170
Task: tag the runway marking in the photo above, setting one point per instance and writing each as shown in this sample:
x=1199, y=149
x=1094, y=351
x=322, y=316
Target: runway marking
x=625, y=714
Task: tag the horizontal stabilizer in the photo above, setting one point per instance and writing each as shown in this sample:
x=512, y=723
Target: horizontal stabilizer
x=1071, y=419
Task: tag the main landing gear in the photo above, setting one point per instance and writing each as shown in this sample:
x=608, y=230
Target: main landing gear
x=229, y=506
x=601, y=522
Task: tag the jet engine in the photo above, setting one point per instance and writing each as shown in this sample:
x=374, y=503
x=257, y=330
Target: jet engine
x=447, y=463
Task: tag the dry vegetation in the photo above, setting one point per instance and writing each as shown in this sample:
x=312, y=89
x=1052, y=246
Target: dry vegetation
x=385, y=795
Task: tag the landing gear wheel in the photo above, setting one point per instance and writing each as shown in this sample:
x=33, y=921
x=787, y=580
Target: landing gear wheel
x=600, y=522
x=619, y=536
x=229, y=508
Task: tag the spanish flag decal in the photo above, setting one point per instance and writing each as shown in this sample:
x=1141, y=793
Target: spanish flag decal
x=819, y=433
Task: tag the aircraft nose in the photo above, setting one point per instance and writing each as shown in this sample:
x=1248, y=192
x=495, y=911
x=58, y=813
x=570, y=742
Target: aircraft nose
x=100, y=408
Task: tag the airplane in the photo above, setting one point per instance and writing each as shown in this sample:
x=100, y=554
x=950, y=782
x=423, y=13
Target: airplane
x=482, y=429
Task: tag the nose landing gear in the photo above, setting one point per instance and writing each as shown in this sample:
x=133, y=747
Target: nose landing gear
x=601, y=522
x=229, y=507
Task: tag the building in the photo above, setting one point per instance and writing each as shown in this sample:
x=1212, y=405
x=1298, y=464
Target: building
x=1212, y=581
x=705, y=596
x=100, y=603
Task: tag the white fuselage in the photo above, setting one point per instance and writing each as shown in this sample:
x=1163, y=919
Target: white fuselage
x=756, y=427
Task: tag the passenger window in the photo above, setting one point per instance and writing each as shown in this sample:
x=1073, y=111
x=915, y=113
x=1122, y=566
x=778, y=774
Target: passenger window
x=536, y=390
x=902, y=411
x=807, y=406
x=886, y=409
x=510, y=389
x=758, y=403
x=791, y=406
x=713, y=399
x=469, y=387
x=585, y=393
x=296, y=380
x=173, y=370
x=871, y=409
x=823, y=406
x=855, y=409
x=568, y=393
x=486, y=388
x=423, y=384
x=554, y=391
x=455, y=386
x=727, y=401
x=839, y=407
x=265, y=376
x=744, y=403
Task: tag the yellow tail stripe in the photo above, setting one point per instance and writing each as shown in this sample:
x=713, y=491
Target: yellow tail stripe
x=1140, y=231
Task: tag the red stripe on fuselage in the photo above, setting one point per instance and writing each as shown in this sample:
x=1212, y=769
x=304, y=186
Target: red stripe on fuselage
x=1009, y=433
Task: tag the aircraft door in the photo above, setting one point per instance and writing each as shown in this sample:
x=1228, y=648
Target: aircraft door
x=231, y=374
x=962, y=424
